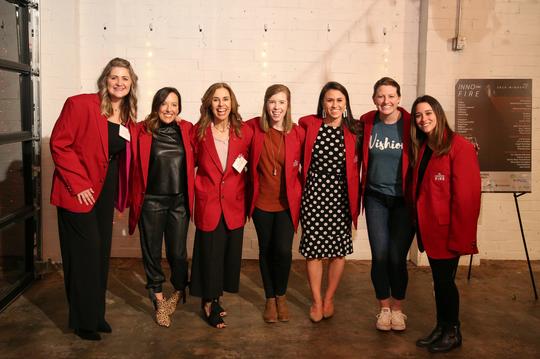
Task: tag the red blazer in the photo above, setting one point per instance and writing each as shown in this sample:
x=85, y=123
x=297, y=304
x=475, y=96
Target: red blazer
x=312, y=124
x=369, y=119
x=220, y=192
x=294, y=142
x=448, y=202
x=139, y=175
x=80, y=151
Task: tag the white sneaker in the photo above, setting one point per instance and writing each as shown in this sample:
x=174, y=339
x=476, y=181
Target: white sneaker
x=384, y=319
x=398, y=320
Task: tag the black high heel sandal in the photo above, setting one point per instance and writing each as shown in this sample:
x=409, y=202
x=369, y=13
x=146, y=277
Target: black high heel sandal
x=222, y=312
x=214, y=319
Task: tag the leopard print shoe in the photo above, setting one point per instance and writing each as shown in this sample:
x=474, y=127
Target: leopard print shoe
x=162, y=316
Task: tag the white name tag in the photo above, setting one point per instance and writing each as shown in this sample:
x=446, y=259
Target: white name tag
x=239, y=163
x=124, y=133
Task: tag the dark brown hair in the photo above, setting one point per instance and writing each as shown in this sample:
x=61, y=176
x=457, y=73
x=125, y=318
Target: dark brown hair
x=442, y=133
x=151, y=122
x=349, y=121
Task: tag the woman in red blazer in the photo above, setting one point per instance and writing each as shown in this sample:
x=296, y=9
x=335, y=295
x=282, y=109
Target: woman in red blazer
x=446, y=184
x=221, y=145
x=276, y=190
x=385, y=197
x=330, y=199
x=162, y=197
x=90, y=147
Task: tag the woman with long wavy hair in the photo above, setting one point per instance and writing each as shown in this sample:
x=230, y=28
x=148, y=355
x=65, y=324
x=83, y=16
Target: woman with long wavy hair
x=91, y=146
x=221, y=144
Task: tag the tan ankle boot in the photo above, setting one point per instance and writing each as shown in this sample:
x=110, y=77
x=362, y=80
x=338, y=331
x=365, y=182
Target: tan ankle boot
x=162, y=316
x=270, y=311
x=282, y=308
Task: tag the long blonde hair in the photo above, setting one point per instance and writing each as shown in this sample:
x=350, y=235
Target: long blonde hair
x=207, y=116
x=128, y=108
x=287, y=120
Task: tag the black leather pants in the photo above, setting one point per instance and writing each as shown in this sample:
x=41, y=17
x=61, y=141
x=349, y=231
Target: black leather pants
x=164, y=217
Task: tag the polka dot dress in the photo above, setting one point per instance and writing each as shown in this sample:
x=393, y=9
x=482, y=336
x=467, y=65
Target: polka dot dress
x=325, y=214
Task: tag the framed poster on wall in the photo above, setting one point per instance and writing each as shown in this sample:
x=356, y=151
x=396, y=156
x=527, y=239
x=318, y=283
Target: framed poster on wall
x=495, y=115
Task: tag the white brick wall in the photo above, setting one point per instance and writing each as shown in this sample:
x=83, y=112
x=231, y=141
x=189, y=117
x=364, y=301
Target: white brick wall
x=502, y=42
x=367, y=40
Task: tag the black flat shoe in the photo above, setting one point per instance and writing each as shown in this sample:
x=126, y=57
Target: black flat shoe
x=104, y=327
x=450, y=339
x=431, y=338
x=88, y=334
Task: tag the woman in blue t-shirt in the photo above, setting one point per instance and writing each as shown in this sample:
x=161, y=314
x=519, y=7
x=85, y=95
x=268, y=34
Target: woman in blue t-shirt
x=384, y=194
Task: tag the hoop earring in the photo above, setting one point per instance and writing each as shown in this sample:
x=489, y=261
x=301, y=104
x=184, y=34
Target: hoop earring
x=323, y=113
x=345, y=113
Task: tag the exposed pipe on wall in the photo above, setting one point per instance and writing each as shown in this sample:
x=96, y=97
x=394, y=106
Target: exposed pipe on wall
x=458, y=42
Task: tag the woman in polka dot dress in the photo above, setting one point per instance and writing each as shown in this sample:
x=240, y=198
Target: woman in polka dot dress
x=330, y=198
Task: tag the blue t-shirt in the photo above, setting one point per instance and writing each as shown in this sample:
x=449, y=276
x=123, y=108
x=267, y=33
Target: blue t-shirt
x=385, y=148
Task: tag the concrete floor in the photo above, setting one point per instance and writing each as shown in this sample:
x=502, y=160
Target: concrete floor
x=500, y=319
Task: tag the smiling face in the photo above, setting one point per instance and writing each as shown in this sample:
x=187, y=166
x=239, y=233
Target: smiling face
x=425, y=118
x=169, y=109
x=334, y=104
x=221, y=104
x=276, y=108
x=118, y=83
x=387, y=100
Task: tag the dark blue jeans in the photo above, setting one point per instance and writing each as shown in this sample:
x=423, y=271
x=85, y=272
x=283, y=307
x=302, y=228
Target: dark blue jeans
x=390, y=232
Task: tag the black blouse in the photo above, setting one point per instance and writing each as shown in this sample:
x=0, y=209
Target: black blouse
x=167, y=170
x=116, y=143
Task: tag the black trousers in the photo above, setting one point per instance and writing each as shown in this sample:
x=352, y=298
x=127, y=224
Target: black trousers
x=164, y=217
x=275, y=232
x=217, y=257
x=446, y=292
x=85, y=244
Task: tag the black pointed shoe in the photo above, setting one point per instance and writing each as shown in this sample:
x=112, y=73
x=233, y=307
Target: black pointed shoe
x=431, y=338
x=450, y=339
x=87, y=334
x=104, y=327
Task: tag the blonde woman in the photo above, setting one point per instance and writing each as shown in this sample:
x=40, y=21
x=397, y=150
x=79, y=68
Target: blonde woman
x=90, y=147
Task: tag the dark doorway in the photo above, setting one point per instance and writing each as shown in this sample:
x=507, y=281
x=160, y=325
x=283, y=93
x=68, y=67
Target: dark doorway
x=19, y=148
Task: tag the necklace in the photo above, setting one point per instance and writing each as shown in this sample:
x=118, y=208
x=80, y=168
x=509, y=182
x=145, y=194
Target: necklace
x=274, y=156
x=225, y=129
